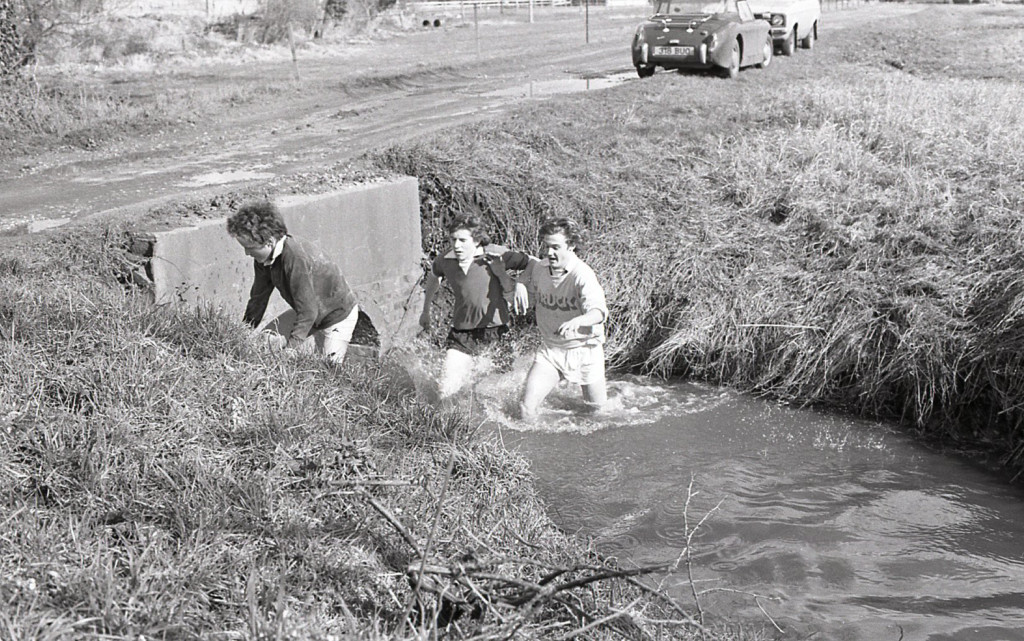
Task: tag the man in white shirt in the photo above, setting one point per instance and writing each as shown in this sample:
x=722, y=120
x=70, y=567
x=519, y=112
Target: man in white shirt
x=571, y=311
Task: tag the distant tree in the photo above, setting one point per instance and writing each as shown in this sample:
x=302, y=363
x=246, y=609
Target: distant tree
x=335, y=9
x=10, y=43
x=358, y=9
x=281, y=16
x=312, y=17
x=36, y=21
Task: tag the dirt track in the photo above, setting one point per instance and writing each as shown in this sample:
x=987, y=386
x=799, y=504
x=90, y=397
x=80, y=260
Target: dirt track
x=358, y=98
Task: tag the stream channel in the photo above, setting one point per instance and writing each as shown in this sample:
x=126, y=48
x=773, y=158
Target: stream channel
x=844, y=529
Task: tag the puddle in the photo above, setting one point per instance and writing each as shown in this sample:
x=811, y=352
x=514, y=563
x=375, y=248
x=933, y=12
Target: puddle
x=225, y=177
x=544, y=88
x=25, y=227
x=36, y=226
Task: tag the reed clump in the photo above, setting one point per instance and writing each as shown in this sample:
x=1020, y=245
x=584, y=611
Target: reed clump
x=851, y=245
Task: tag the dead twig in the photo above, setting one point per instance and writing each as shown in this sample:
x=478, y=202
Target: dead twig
x=659, y=594
x=598, y=622
x=689, y=545
x=358, y=484
x=386, y=513
x=425, y=552
x=765, y=612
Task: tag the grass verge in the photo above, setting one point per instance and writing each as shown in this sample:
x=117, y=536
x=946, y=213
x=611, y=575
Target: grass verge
x=64, y=112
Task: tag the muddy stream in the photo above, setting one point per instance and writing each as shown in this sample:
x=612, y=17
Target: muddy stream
x=825, y=526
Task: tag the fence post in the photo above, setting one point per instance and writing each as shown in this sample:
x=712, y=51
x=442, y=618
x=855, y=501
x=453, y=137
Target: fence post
x=586, y=19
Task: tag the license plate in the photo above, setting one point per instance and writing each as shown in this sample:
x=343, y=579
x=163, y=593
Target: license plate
x=673, y=51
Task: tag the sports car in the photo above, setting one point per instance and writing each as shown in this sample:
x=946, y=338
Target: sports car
x=697, y=34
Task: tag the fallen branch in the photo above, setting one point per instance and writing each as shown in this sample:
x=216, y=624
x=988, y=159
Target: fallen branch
x=473, y=586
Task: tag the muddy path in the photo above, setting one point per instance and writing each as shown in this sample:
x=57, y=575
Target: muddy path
x=345, y=102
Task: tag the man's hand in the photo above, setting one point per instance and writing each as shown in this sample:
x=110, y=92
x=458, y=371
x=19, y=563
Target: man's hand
x=521, y=302
x=584, y=321
x=570, y=326
x=425, y=320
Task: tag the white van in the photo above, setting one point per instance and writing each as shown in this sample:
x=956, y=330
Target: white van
x=791, y=21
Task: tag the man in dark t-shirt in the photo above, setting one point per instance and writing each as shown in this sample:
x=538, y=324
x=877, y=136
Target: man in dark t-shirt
x=476, y=272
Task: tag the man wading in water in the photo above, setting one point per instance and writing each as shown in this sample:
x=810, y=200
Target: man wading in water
x=571, y=311
x=475, y=271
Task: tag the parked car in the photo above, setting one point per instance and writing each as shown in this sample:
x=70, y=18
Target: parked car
x=698, y=34
x=792, y=21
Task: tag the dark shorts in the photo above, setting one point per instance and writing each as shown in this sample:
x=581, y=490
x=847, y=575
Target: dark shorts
x=473, y=341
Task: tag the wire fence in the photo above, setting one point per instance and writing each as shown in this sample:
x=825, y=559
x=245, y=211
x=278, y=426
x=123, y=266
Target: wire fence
x=443, y=5
x=834, y=5
x=460, y=5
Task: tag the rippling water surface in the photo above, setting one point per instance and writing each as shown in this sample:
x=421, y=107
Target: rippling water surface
x=844, y=529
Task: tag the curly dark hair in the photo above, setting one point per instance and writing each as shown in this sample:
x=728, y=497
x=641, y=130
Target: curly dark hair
x=260, y=222
x=471, y=224
x=574, y=234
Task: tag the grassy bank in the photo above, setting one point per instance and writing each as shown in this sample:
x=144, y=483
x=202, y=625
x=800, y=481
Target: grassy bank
x=843, y=229
x=164, y=475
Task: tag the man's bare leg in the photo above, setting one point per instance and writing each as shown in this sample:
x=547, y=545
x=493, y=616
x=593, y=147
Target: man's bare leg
x=595, y=395
x=539, y=382
x=455, y=373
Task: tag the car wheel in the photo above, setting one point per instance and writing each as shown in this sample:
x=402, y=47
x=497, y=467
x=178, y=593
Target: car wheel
x=645, y=72
x=733, y=70
x=789, y=44
x=812, y=35
x=766, y=56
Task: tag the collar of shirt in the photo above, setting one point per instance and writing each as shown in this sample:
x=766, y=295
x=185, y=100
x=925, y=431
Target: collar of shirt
x=278, y=248
x=480, y=253
x=569, y=264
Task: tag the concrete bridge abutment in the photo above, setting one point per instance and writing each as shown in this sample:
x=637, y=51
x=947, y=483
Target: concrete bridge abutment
x=371, y=230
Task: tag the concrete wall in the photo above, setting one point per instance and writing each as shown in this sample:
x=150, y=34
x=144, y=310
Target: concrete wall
x=371, y=230
x=210, y=9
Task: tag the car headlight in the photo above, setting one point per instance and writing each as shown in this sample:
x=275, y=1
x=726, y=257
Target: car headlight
x=712, y=41
x=778, y=20
x=639, y=35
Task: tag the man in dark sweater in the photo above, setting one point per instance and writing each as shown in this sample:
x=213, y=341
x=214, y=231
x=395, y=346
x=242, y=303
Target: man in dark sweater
x=312, y=284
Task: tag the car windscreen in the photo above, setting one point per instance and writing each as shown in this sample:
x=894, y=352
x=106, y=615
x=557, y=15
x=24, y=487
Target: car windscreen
x=690, y=7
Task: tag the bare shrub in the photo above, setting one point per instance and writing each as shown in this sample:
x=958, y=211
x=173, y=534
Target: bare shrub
x=40, y=21
x=10, y=42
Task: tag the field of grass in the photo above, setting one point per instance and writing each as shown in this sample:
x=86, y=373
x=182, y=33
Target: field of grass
x=843, y=229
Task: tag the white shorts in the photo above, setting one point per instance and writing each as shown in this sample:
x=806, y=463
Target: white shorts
x=338, y=333
x=583, y=365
